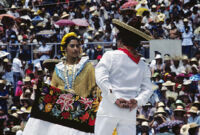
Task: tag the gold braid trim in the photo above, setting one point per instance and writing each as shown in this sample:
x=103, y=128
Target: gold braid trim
x=131, y=29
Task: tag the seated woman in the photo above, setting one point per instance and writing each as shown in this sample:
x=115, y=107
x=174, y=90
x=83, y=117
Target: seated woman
x=75, y=74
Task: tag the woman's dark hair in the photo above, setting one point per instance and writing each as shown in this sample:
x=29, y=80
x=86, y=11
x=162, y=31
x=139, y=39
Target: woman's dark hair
x=69, y=39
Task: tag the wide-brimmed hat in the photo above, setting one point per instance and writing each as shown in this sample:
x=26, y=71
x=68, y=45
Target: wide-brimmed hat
x=184, y=57
x=168, y=83
x=158, y=56
x=2, y=81
x=130, y=32
x=160, y=110
x=141, y=117
x=193, y=59
x=179, y=109
x=164, y=88
x=145, y=124
x=27, y=79
x=64, y=15
x=179, y=102
x=50, y=63
x=123, y=26
x=161, y=104
x=193, y=109
x=184, y=129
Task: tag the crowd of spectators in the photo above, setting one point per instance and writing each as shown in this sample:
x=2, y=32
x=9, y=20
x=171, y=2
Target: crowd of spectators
x=173, y=108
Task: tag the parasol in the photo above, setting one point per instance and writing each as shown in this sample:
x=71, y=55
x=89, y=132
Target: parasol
x=81, y=22
x=37, y=19
x=65, y=22
x=26, y=17
x=169, y=124
x=141, y=10
x=3, y=54
x=129, y=4
x=6, y=15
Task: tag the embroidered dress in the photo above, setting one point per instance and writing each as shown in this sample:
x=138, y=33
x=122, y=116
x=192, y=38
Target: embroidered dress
x=77, y=78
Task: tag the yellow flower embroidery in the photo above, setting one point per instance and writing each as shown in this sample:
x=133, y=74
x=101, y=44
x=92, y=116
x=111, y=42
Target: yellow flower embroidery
x=48, y=107
x=51, y=92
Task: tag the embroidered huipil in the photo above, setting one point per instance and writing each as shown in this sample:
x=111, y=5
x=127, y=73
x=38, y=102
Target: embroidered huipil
x=127, y=79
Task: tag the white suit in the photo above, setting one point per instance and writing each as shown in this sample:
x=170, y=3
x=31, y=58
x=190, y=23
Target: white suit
x=127, y=80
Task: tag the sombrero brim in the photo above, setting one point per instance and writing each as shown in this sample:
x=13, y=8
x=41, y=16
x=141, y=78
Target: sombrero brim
x=129, y=28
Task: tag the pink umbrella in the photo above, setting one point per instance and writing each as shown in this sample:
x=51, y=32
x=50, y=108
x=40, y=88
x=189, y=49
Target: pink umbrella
x=80, y=22
x=65, y=22
x=129, y=4
x=6, y=15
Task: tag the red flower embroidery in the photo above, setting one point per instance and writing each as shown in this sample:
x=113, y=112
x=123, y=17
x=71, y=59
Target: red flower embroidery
x=66, y=101
x=86, y=102
x=85, y=116
x=55, y=89
x=65, y=115
x=54, y=98
x=91, y=122
x=47, y=99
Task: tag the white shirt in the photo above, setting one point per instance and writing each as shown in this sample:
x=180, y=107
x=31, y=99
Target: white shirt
x=127, y=80
x=45, y=48
x=17, y=64
x=187, y=39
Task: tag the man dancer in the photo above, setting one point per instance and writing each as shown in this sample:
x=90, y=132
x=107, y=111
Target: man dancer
x=124, y=80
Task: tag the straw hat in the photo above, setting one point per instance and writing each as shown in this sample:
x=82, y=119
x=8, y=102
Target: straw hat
x=196, y=103
x=180, y=102
x=141, y=117
x=164, y=88
x=13, y=7
x=96, y=13
x=185, y=20
x=90, y=29
x=27, y=79
x=193, y=59
x=160, y=110
x=179, y=109
x=6, y=60
x=161, y=104
x=184, y=129
x=184, y=57
x=16, y=128
x=64, y=15
x=193, y=125
x=162, y=5
x=193, y=109
x=167, y=58
x=131, y=32
x=145, y=124
x=158, y=56
x=153, y=6
x=168, y=83
x=143, y=2
x=2, y=81
x=92, y=9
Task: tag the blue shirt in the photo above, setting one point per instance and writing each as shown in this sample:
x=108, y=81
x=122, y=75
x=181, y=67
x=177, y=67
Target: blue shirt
x=194, y=120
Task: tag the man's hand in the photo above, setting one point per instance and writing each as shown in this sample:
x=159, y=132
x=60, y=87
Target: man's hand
x=122, y=103
x=132, y=104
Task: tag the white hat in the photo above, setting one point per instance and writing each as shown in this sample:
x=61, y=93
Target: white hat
x=145, y=123
x=168, y=83
x=158, y=56
x=187, y=82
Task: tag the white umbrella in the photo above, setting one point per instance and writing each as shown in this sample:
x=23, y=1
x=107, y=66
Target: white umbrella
x=26, y=17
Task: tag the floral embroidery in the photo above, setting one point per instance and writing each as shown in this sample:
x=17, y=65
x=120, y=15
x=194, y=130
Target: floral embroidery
x=85, y=116
x=63, y=105
x=48, y=107
x=47, y=98
x=65, y=100
x=87, y=102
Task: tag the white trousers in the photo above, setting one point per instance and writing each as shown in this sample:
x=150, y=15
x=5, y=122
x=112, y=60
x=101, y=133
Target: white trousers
x=106, y=126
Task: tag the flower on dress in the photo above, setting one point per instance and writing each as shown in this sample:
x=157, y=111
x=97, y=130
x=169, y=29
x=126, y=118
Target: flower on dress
x=41, y=106
x=55, y=111
x=65, y=115
x=48, y=107
x=47, y=98
x=86, y=102
x=66, y=101
x=85, y=117
x=91, y=121
x=51, y=92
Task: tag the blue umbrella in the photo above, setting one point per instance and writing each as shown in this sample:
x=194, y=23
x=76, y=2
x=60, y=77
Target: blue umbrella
x=195, y=77
x=37, y=19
